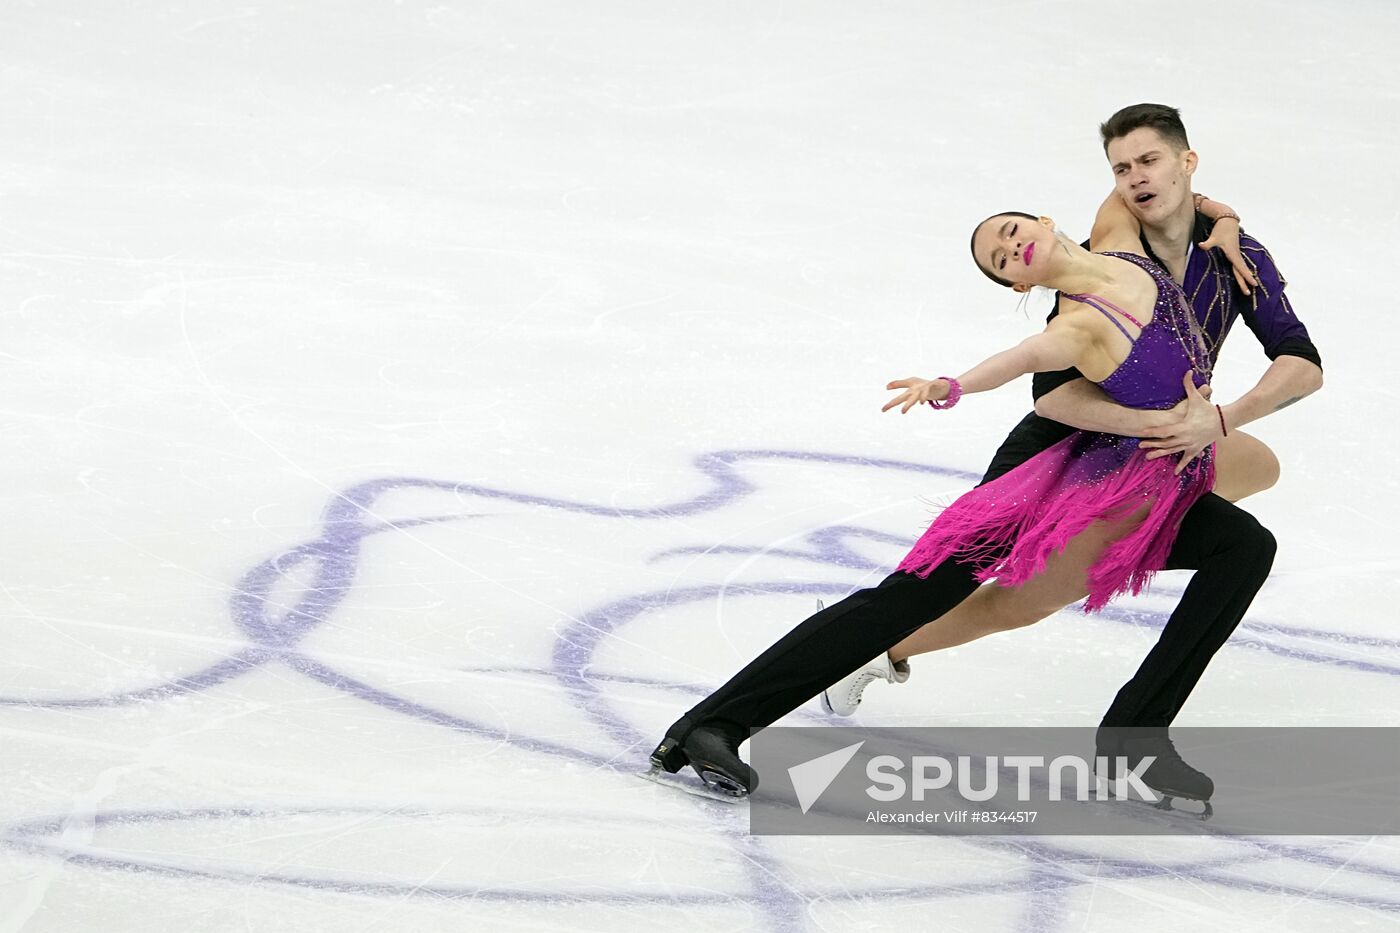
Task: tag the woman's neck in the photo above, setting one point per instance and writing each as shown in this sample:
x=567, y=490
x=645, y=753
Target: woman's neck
x=1081, y=271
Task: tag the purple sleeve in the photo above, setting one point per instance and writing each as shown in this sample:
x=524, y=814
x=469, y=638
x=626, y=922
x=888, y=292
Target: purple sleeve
x=1268, y=312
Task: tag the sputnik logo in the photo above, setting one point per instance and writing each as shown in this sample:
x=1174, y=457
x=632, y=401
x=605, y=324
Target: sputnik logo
x=811, y=778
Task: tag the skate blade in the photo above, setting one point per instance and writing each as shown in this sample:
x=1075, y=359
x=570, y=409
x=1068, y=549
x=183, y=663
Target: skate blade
x=707, y=790
x=1163, y=810
x=1167, y=804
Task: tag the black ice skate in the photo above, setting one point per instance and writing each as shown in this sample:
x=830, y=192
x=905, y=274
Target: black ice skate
x=1169, y=775
x=713, y=752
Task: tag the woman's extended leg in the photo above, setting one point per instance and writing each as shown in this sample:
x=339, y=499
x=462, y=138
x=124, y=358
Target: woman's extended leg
x=991, y=608
x=996, y=608
x=1244, y=465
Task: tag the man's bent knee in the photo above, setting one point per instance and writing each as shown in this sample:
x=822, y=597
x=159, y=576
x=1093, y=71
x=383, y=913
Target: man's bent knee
x=1255, y=545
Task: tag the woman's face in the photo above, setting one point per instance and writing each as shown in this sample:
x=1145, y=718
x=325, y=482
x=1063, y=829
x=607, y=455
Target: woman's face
x=1017, y=249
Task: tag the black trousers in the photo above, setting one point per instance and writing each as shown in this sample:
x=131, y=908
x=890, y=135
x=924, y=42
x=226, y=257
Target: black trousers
x=1226, y=546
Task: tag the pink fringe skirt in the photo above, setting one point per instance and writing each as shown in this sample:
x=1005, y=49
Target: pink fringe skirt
x=1009, y=527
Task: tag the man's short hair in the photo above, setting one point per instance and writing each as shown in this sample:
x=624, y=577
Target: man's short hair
x=1165, y=120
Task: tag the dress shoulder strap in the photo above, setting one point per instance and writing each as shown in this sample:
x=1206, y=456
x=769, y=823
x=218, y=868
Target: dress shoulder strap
x=1102, y=305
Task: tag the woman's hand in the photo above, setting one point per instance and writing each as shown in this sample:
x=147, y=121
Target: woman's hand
x=1226, y=237
x=916, y=392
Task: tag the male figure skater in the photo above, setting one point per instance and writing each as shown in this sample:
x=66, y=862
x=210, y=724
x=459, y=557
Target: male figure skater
x=1230, y=551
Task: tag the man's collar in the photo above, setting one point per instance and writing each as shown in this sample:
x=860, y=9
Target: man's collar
x=1201, y=227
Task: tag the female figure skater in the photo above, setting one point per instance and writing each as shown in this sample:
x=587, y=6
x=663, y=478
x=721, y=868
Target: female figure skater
x=1093, y=508
x=1060, y=575
x=1126, y=326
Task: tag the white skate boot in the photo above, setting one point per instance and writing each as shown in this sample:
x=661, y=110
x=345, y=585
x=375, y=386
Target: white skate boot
x=842, y=697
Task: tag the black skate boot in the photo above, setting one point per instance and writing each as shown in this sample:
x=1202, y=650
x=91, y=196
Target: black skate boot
x=1169, y=775
x=712, y=750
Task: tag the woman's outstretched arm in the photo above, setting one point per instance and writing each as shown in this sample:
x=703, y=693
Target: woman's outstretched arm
x=1059, y=346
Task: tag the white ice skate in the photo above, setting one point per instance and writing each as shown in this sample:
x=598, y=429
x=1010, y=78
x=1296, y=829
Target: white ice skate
x=842, y=697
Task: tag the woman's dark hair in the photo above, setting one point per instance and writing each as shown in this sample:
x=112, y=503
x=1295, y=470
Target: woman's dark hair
x=988, y=272
x=1165, y=120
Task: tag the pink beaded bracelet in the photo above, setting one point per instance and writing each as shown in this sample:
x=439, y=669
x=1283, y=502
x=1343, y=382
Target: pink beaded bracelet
x=954, y=393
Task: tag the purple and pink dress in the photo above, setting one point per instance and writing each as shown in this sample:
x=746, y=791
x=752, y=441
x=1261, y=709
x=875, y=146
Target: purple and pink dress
x=1009, y=527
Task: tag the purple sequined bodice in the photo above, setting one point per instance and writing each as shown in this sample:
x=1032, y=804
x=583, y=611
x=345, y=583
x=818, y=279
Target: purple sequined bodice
x=1169, y=346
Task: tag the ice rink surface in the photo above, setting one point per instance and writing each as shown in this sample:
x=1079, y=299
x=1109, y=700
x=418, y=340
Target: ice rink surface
x=409, y=409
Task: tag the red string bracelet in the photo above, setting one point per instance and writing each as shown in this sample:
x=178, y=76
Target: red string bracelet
x=1223, y=431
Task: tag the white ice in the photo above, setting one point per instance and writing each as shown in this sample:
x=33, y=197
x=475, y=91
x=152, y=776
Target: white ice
x=349, y=350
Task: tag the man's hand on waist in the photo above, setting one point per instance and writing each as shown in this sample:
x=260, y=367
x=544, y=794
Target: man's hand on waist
x=1188, y=429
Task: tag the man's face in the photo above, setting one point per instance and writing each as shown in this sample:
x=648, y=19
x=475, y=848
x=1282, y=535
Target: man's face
x=1151, y=174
